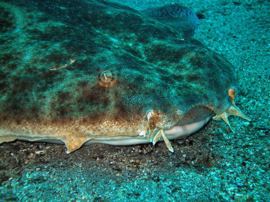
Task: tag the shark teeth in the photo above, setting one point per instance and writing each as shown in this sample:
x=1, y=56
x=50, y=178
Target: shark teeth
x=233, y=110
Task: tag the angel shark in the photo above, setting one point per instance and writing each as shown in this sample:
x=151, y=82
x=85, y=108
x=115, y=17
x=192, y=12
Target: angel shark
x=77, y=72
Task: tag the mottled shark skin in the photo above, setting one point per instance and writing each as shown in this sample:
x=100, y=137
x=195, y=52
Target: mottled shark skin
x=99, y=72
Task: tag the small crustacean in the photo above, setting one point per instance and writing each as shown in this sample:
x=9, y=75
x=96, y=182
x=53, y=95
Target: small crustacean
x=180, y=17
x=122, y=78
x=232, y=110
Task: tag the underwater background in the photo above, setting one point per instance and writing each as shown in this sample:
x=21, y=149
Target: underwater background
x=212, y=165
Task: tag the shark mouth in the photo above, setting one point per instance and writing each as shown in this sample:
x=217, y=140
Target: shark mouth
x=173, y=133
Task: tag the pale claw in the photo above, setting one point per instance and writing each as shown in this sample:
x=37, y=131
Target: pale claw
x=224, y=116
x=157, y=137
x=233, y=110
x=167, y=141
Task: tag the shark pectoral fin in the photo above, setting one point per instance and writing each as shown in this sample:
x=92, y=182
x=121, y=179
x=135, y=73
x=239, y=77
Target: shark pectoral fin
x=74, y=141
